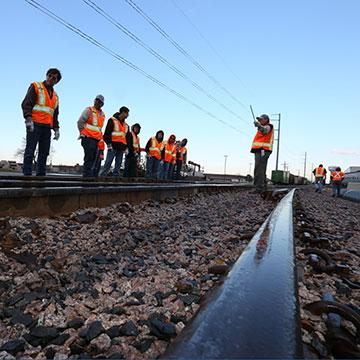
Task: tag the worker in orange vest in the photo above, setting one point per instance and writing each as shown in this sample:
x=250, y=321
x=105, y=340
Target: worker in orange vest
x=320, y=177
x=168, y=156
x=117, y=138
x=40, y=110
x=90, y=126
x=262, y=146
x=153, y=151
x=336, y=178
x=181, y=157
x=99, y=157
x=133, y=157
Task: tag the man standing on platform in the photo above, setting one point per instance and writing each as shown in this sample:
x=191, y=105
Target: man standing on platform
x=132, y=158
x=117, y=137
x=40, y=109
x=90, y=124
x=181, y=157
x=262, y=148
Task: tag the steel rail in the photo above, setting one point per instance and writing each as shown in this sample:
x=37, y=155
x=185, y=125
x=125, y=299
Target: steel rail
x=61, y=200
x=255, y=312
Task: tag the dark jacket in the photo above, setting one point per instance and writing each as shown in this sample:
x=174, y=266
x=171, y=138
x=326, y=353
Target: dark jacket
x=107, y=135
x=30, y=100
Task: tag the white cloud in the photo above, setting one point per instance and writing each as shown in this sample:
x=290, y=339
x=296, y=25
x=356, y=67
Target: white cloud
x=346, y=152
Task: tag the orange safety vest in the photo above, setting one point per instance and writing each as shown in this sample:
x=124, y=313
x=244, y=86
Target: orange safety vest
x=43, y=111
x=337, y=175
x=263, y=141
x=119, y=132
x=136, y=142
x=319, y=172
x=170, y=152
x=182, y=152
x=156, y=148
x=94, y=123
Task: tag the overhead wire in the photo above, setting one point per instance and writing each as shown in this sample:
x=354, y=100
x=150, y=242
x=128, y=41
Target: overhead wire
x=222, y=59
x=158, y=28
x=92, y=4
x=98, y=44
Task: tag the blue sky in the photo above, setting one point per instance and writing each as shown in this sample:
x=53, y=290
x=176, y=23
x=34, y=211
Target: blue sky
x=297, y=58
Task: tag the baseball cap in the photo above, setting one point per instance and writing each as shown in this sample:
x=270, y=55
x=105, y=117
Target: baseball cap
x=263, y=116
x=101, y=98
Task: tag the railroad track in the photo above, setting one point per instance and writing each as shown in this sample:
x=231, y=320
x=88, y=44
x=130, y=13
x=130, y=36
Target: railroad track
x=255, y=312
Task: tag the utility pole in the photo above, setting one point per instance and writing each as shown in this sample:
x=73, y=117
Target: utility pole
x=285, y=165
x=278, y=138
x=225, y=159
x=250, y=168
x=305, y=164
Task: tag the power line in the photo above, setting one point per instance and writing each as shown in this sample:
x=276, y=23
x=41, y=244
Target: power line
x=153, y=52
x=158, y=28
x=222, y=59
x=93, y=41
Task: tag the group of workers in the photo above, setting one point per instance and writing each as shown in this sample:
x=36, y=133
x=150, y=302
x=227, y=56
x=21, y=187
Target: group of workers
x=165, y=159
x=336, y=178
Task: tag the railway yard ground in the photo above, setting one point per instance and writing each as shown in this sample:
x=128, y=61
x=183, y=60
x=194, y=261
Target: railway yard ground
x=124, y=280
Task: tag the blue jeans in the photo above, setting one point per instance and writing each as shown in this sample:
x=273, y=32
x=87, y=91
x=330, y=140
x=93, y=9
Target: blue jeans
x=90, y=146
x=336, y=186
x=152, y=167
x=319, y=184
x=41, y=135
x=111, y=154
x=166, y=171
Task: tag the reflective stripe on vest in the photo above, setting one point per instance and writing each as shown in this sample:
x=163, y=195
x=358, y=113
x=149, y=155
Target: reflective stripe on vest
x=182, y=152
x=263, y=141
x=170, y=153
x=319, y=172
x=119, y=132
x=45, y=106
x=337, y=175
x=93, y=125
x=155, y=148
x=136, y=142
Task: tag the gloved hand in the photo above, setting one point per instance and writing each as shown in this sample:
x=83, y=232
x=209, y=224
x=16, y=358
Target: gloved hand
x=126, y=151
x=262, y=152
x=109, y=146
x=29, y=124
x=56, y=134
x=256, y=123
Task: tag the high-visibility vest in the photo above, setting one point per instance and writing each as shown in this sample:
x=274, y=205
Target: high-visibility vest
x=119, y=131
x=156, y=148
x=136, y=142
x=94, y=123
x=170, y=152
x=319, y=172
x=182, y=152
x=43, y=111
x=263, y=141
x=337, y=175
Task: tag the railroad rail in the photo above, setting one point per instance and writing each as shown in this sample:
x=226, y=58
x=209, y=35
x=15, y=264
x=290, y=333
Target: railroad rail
x=255, y=312
x=53, y=196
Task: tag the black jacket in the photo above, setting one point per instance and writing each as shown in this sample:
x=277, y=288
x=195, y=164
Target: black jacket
x=30, y=100
x=107, y=135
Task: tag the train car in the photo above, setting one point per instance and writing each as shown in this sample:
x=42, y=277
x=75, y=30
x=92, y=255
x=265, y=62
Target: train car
x=280, y=177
